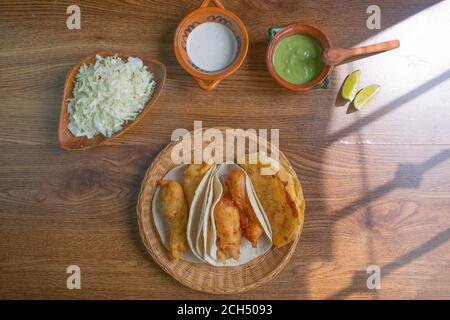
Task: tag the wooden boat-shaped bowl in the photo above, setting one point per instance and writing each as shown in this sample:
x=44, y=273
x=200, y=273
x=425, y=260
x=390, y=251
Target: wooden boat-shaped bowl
x=66, y=139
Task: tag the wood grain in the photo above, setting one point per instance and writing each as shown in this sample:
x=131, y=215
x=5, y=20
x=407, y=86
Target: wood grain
x=375, y=181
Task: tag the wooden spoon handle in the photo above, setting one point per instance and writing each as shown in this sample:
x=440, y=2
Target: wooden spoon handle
x=374, y=48
x=334, y=56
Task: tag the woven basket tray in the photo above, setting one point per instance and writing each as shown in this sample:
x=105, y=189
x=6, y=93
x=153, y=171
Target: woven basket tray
x=201, y=276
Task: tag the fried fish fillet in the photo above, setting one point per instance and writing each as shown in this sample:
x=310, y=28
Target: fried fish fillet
x=281, y=198
x=175, y=209
x=226, y=216
x=192, y=177
x=250, y=225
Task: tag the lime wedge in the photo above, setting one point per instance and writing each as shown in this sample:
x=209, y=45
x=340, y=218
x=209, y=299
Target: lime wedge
x=350, y=86
x=365, y=96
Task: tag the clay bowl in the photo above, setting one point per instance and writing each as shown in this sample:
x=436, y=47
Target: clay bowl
x=66, y=139
x=208, y=80
x=278, y=34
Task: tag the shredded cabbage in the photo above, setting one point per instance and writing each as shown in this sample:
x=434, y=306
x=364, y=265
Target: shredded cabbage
x=108, y=94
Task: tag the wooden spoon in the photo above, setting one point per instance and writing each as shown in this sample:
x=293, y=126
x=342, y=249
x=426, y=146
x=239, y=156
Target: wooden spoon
x=334, y=56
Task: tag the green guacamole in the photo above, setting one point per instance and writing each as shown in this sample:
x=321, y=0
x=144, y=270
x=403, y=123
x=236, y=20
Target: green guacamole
x=298, y=59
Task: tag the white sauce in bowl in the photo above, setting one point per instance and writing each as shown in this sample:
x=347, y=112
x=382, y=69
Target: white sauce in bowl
x=211, y=46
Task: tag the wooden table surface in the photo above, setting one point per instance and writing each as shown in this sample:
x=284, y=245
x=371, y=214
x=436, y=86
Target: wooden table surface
x=376, y=181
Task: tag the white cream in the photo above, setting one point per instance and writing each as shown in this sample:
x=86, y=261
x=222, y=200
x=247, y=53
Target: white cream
x=211, y=46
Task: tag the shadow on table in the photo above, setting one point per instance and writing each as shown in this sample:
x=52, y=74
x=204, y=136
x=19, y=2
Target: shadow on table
x=390, y=107
x=407, y=176
x=359, y=285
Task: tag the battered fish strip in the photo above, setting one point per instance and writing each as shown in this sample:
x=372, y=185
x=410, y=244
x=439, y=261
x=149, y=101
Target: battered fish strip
x=250, y=226
x=175, y=209
x=226, y=216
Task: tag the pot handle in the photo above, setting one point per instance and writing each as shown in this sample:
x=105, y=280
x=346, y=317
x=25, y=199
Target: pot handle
x=208, y=86
x=206, y=3
x=324, y=85
x=273, y=31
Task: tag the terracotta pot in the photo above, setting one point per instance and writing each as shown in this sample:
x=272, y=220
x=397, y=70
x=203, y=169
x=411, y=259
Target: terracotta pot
x=208, y=80
x=277, y=34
